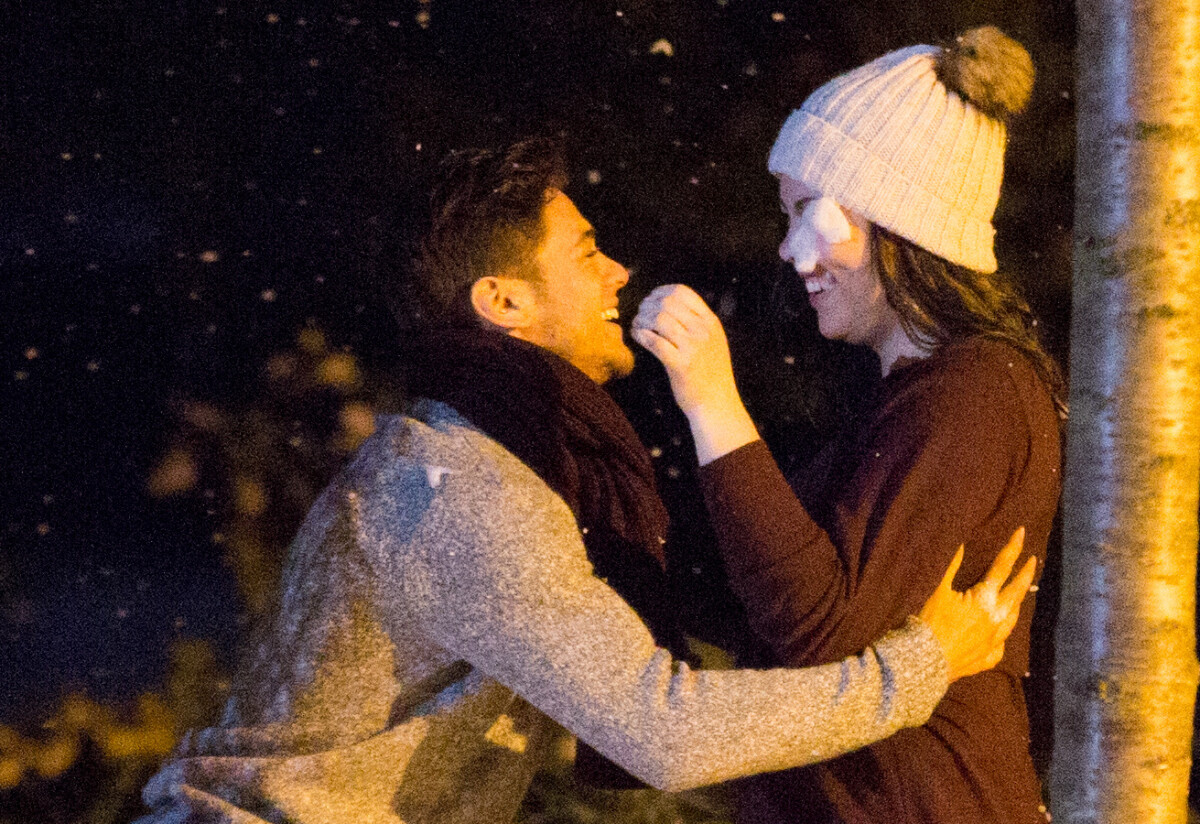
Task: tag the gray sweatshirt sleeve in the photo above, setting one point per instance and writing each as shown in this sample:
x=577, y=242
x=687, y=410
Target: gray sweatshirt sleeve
x=505, y=584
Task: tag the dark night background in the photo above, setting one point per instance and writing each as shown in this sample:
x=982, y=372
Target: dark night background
x=186, y=186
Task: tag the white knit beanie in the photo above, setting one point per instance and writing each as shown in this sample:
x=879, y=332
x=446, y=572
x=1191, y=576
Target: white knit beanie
x=890, y=141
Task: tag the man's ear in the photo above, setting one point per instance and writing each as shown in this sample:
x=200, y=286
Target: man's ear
x=503, y=301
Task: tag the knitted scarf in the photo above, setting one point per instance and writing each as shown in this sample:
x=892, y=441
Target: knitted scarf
x=568, y=430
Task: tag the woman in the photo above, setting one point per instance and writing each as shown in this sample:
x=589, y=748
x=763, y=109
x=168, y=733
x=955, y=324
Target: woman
x=889, y=176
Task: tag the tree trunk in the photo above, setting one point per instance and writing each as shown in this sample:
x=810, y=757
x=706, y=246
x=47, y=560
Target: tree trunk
x=1126, y=665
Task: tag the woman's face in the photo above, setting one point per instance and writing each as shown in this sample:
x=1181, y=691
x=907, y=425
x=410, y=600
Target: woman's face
x=844, y=287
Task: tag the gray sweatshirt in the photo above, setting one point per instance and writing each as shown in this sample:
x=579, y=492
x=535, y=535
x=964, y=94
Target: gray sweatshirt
x=439, y=622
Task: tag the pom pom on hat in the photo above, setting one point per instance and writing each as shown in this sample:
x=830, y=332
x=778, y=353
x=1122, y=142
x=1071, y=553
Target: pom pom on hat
x=914, y=141
x=989, y=70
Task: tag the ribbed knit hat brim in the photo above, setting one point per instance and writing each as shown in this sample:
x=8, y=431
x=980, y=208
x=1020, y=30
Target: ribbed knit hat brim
x=890, y=142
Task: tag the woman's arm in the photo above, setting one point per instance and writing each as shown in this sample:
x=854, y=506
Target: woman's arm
x=678, y=328
x=927, y=477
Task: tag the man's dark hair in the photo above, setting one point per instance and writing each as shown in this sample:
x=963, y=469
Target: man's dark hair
x=486, y=219
x=939, y=302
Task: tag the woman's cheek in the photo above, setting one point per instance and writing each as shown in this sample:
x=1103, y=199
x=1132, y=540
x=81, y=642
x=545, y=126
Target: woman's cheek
x=852, y=253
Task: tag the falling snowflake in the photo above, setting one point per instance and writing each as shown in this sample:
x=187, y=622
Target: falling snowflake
x=662, y=46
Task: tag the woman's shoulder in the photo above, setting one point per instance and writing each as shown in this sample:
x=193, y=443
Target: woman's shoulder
x=977, y=378
x=990, y=381
x=985, y=362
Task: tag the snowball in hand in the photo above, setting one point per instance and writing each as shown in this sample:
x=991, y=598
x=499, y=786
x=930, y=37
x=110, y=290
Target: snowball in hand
x=822, y=219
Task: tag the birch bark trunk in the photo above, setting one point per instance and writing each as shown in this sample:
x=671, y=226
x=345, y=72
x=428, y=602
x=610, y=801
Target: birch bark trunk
x=1126, y=669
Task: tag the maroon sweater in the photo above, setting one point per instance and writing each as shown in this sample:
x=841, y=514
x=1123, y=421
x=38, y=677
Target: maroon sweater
x=962, y=448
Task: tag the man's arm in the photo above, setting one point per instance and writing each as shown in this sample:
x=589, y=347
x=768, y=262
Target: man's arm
x=505, y=585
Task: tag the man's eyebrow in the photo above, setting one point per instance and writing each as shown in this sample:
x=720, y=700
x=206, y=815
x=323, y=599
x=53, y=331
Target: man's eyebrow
x=589, y=234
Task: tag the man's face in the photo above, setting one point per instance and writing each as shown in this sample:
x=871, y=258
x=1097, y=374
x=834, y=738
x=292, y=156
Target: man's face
x=575, y=315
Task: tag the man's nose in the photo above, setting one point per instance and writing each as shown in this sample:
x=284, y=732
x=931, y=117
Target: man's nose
x=619, y=274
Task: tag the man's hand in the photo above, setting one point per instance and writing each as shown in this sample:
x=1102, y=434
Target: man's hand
x=972, y=626
x=678, y=328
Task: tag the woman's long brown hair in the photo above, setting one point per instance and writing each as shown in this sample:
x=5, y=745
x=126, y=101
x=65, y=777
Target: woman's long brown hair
x=939, y=302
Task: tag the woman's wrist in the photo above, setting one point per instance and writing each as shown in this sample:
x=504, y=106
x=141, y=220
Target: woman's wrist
x=719, y=430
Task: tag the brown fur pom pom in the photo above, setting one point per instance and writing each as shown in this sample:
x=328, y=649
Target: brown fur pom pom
x=989, y=70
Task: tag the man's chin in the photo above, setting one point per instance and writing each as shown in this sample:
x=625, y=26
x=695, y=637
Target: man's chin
x=621, y=364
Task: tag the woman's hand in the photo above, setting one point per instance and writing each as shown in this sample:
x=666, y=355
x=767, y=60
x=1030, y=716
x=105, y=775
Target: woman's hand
x=678, y=328
x=972, y=626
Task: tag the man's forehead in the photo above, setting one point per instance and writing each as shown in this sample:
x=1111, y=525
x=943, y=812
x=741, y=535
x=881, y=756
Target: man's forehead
x=564, y=217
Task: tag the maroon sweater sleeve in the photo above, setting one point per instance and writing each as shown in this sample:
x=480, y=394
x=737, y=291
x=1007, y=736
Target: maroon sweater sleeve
x=951, y=441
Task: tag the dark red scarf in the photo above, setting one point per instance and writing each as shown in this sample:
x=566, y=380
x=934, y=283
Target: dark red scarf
x=568, y=430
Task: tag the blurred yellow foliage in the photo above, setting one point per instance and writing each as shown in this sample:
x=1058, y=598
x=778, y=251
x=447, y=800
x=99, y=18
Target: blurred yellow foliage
x=282, y=366
x=176, y=472
x=311, y=341
x=152, y=734
x=11, y=772
x=358, y=424
x=204, y=416
x=339, y=370
x=261, y=464
x=194, y=689
x=250, y=498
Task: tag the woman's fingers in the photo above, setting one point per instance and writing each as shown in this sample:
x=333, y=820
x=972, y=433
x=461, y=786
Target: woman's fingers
x=687, y=299
x=658, y=346
x=674, y=315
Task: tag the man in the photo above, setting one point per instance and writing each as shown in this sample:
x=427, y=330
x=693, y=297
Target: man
x=443, y=607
